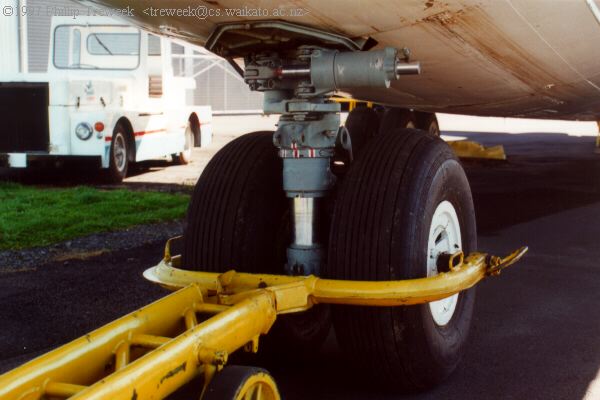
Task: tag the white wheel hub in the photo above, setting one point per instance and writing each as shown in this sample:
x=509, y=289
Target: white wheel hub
x=444, y=237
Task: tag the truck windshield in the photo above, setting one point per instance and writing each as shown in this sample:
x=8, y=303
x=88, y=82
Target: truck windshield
x=96, y=47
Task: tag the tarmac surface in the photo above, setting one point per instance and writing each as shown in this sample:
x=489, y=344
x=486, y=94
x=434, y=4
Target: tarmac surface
x=536, y=329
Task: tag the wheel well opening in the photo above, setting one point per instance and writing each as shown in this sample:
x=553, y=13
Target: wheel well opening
x=195, y=126
x=130, y=138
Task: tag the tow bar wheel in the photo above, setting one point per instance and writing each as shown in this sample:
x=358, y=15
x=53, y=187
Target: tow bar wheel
x=242, y=383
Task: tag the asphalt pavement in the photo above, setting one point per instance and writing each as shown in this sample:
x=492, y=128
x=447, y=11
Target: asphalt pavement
x=536, y=330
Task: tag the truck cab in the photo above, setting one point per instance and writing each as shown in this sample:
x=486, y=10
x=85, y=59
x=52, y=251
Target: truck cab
x=109, y=97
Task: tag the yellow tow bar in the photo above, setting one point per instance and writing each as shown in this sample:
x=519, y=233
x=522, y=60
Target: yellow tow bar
x=155, y=350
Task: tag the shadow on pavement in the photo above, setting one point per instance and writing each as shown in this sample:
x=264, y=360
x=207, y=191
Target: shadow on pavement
x=85, y=175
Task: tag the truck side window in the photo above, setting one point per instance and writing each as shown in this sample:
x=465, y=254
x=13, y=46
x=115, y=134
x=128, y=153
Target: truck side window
x=61, y=47
x=96, y=47
x=113, y=44
x=76, y=47
x=153, y=45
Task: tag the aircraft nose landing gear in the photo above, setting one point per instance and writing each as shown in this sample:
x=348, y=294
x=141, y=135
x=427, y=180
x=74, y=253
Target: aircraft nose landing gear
x=400, y=247
x=308, y=128
x=264, y=208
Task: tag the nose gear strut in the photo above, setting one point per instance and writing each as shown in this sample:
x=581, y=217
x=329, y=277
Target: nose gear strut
x=297, y=87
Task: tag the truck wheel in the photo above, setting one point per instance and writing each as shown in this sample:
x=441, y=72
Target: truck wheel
x=240, y=383
x=185, y=156
x=402, y=203
x=119, y=155
x=238, y=218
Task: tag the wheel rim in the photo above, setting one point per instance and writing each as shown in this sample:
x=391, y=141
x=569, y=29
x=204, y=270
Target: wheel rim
x=410, y=125
x=120, y=152
x=258, y=387
x=444, y=237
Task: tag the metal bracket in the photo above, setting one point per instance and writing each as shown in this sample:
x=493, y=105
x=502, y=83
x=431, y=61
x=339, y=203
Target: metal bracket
x=225, y=38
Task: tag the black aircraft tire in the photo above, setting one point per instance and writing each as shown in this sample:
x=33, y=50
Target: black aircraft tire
x=238, y=219
x=381, y=230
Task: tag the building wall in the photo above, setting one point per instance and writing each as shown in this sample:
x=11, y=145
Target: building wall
x=39, y=14
x=9, y=40
x=223, y=88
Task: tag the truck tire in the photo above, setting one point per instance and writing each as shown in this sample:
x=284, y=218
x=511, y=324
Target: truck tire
x=119, y=154
x=405, y=185
x=238, y=218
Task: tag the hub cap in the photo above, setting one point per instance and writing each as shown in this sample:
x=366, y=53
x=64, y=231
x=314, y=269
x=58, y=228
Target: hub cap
x=120, y=152
x=444, y=237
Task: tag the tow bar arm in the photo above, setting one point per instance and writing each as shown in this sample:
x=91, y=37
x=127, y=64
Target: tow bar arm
x=155, y=350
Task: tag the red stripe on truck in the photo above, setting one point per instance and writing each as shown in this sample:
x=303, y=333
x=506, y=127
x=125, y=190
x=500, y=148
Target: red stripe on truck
x=137, y=134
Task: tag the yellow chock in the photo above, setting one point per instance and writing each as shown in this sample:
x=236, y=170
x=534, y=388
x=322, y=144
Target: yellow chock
x=470, y=149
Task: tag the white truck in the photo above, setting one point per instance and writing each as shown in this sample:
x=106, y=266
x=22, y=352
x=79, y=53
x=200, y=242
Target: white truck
x=109, y=96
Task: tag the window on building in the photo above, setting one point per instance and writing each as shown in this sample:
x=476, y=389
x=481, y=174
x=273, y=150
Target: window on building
x=153, y=45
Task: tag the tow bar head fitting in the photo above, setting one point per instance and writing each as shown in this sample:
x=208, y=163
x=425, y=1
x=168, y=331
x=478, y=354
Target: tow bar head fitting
x=497, y=264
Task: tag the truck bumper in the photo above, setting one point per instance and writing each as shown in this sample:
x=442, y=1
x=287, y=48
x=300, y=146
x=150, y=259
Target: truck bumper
x=27, y=160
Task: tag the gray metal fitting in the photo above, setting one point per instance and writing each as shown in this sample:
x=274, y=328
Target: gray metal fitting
x=333, y=70
x=307, y=177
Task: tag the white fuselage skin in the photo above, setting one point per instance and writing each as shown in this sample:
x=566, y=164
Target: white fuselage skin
x=108, y=95
x=519, y=58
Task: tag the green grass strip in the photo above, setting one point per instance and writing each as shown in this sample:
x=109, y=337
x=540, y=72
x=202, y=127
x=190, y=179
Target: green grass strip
x=32, y=216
